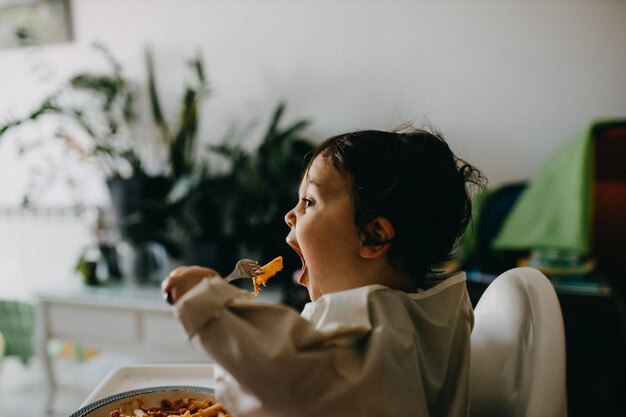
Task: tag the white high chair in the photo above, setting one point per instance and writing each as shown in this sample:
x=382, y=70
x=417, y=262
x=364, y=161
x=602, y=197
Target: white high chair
x=518, y=349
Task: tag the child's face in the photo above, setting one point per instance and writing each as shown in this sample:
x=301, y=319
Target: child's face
x=323, y=231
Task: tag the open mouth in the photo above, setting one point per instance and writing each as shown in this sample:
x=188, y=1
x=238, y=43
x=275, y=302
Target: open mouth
x=302, y=277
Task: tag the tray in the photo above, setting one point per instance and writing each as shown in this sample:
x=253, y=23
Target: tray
x=129, y=378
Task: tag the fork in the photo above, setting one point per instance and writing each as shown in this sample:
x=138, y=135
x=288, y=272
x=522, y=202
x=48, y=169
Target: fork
x=245, y=268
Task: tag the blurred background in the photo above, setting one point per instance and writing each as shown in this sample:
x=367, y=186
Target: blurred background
x=508, y=83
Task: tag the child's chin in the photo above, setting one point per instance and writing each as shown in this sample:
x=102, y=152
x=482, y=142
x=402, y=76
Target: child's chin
x=303, y=278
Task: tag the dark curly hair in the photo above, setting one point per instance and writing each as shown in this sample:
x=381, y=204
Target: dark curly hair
x=412, y=178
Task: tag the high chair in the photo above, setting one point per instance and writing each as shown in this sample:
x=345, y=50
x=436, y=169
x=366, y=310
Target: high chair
x=518, y=349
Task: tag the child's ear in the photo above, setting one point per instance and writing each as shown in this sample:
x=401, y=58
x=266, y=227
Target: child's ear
x=376, y=238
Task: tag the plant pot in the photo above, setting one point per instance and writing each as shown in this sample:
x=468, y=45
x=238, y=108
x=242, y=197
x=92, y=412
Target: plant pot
x=200, y=252
x=126, y=196
x=142, y=265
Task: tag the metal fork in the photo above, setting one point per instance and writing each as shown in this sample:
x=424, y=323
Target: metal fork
x=245, y=268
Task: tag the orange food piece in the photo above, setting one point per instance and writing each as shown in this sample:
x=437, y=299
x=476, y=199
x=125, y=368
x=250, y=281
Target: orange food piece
x=267, y=271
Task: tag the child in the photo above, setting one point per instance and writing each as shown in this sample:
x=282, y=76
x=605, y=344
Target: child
x=382, y=335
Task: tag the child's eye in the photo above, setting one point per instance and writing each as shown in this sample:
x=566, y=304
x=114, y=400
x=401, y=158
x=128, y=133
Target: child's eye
x=307, y=203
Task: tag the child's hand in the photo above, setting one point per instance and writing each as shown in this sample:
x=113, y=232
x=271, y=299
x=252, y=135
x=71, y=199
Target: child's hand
x=182, y=279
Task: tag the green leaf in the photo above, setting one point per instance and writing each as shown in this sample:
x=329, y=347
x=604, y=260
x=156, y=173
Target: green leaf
x=198, y=65
x=155, y=104
x=183, y=187
x=47, y=107
x=128, y=107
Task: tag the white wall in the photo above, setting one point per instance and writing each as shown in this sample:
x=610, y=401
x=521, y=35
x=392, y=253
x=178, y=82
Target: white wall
x=39, y=250
x=507, y=81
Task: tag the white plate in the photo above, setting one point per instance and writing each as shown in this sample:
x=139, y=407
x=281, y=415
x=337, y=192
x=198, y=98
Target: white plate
x=144, y=376
x=142, y=398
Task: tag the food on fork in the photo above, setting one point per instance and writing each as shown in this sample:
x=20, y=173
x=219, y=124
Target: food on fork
x=267, y=271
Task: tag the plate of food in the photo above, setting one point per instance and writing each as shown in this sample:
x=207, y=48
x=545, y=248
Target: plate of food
x=183, y=401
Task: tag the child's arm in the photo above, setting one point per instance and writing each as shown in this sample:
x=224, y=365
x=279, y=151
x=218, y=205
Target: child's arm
x=269, y=349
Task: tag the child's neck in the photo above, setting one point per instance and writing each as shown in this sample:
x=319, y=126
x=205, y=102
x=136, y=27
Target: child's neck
x=403, y=283
x=382, y=273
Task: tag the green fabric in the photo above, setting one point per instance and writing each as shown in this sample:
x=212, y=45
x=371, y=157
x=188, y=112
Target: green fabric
x=554, y=212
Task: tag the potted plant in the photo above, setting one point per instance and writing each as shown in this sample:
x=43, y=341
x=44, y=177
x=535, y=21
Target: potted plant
x=239, y=212
x=197, y=214
x=96, y=118
x=266, y=181
x=93, y=114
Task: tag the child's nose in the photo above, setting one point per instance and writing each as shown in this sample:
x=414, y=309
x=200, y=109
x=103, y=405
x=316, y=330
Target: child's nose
x=290, y=218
